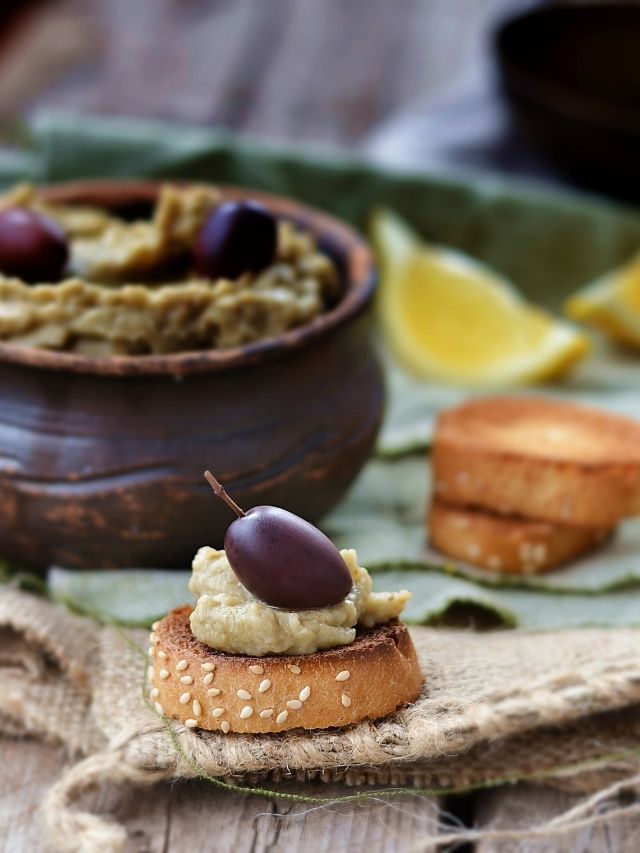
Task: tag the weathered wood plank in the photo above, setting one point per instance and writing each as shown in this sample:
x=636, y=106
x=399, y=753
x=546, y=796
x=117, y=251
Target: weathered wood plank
x=321, y=70
x=198, y=814
x=196, y=817
x=341, y=68
x=26, y=771
x=46, y=42
x=527, y=805
x=159, y=58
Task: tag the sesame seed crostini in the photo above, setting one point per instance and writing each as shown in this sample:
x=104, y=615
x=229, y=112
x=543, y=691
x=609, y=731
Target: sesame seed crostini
x=286, y=633
x=366, y=679
x=538, y=458
x=507, y=543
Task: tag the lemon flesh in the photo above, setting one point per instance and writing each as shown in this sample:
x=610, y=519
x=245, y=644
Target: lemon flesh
x=450, y=318
x=611, y=304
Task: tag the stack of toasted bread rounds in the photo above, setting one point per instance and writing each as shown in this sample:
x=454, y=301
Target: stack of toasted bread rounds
x=526, y=484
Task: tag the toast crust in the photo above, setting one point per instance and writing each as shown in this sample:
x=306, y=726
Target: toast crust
x=539, y=459
x=368, y=679
x=506, y=543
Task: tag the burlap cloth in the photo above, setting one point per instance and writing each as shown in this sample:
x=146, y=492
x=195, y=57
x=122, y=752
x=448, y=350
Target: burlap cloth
x=495, y=707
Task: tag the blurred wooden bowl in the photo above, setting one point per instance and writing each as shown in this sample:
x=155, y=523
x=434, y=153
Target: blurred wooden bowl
x=572, y=75
x=101, y=459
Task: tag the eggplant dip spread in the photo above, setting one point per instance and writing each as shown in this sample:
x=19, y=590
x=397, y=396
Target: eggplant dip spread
x=201, y=273
x=229, y=618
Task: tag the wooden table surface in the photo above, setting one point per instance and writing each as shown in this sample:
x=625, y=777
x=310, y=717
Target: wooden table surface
x=298, y=70
x=318, y=70
x=193, y=817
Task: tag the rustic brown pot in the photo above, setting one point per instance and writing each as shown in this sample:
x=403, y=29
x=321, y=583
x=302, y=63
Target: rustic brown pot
x=101, y=459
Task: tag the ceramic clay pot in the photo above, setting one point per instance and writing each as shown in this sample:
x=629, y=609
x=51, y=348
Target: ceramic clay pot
x=101, y=459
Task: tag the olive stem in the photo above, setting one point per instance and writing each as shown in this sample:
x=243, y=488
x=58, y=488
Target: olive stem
x=221, y=493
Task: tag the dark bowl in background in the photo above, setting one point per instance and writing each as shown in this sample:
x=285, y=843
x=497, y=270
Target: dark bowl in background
x=571, y=73
x=101, y=459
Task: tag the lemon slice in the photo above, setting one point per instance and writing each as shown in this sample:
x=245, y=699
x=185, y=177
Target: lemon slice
x=451, y=318
x=611, y=304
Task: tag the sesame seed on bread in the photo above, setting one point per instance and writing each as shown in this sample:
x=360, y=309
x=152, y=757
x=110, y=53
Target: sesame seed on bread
x=208, y=689
x=506, y=543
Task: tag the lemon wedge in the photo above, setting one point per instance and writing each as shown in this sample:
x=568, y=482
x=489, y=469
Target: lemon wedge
x=611, y=304
x=449, y=317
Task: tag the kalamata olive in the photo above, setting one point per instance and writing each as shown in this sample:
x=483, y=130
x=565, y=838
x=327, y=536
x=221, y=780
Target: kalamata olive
x=285, y=561
x=32, y=246
x=238, y=237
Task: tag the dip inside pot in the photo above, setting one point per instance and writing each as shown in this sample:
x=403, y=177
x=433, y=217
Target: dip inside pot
x=131, y=286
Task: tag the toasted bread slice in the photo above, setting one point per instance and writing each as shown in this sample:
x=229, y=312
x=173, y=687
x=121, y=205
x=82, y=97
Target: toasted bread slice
x=212, y=690
x=539, y=458
x=505, y=543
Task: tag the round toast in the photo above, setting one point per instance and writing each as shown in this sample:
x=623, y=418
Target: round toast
x=207, y=689
x=506, y=543
x=539, y=458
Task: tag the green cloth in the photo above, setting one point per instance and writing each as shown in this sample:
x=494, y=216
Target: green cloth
x=548, y=243
x=607, y=378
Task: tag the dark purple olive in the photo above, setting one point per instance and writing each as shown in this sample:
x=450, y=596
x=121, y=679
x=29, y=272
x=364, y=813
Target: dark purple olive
x=285, y=561
x=32, y=246
x=238, y=237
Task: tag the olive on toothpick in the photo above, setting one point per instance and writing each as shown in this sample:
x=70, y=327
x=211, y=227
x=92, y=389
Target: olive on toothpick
x=281, y=558
x=238, y=237
x=32, y=246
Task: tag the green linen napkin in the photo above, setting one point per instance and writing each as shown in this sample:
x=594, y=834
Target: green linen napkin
x=138, y=597
x=548, y=243
x=608, y=378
